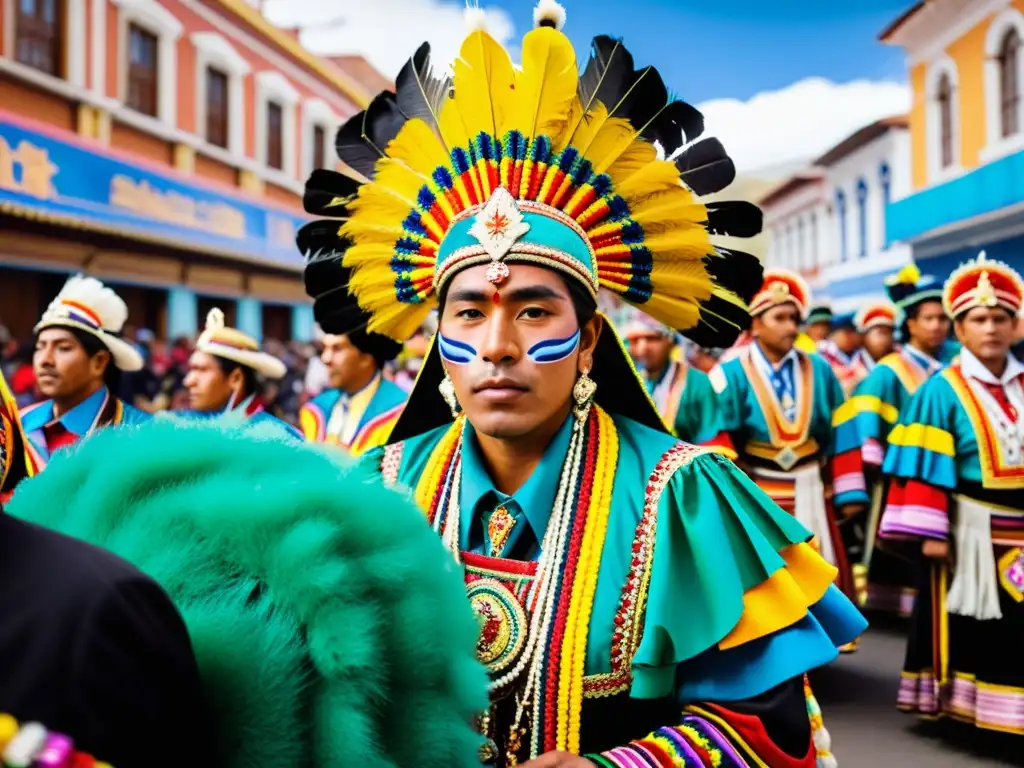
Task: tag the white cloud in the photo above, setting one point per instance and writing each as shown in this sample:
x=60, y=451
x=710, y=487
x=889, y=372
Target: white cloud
x=799, y=122
x=386, y=32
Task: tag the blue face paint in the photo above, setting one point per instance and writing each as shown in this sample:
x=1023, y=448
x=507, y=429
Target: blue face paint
x=455, y=352
x=553, y=350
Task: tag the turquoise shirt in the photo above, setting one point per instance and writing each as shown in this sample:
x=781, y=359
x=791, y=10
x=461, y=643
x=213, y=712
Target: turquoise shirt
x=696, y=415
x=79, y=420
x=717, y=536
x=388, y=397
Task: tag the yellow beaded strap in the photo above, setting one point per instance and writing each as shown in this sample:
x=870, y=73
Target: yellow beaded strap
x=31, y=744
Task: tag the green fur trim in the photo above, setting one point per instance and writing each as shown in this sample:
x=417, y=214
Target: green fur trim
x=329, y=623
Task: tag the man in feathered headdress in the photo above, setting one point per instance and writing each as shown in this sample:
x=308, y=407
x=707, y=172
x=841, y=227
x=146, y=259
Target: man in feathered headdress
x=777, y=405
x=682, y=394
x=956, y=496
x=225, y=370
x=505, y=199
x=78, y=359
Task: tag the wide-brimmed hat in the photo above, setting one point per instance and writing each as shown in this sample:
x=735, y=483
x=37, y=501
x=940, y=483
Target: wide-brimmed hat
x=232, y=344
x=86, y=304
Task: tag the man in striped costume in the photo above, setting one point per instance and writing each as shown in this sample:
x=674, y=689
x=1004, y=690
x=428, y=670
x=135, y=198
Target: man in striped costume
x=956, y=497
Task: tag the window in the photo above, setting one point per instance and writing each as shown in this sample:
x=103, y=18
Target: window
x=1009, y=83
x=841, y=219
x=217, y=107
x=800, y=262
x=143, y=70
x=885, y=179
x=319, y=142
x=275, y=139
x=39, y=28
x=862, y=216
x=944, y=97
x=813, y=255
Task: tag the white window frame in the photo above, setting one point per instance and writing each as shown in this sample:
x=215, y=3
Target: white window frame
x=214, y=51
x=317, y=112
x=273, y=86
x=74, y=44
x=933, y=121
x=997, y=145
x=157, y=20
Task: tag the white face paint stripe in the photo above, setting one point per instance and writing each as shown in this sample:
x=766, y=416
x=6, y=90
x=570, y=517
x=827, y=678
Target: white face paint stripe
x=455, y=352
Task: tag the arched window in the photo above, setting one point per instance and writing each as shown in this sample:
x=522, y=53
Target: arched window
x=841, y=219
x=800, y=244
x=885, y=179
x=1009, y=83
x=944, y=97
x=862, y=216
x=813, y=256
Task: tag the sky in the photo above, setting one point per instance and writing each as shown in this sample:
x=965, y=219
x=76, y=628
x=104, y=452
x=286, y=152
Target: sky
x=779, y=82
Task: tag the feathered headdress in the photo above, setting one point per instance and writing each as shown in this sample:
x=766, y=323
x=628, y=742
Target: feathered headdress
x=909, y=287
x=536, y=164
x=16, y=460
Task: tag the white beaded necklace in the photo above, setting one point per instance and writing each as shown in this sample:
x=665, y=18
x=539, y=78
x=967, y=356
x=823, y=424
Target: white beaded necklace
x=549, y=567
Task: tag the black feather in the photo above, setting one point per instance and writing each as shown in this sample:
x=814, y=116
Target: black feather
x=705, y=167
x=736, y=218
x=326, y=278
x=677, y=124
x=419, y=93
x=608, y=74
x=362, y=139
x=721, y=323
x=737, y=271
x=328, y=193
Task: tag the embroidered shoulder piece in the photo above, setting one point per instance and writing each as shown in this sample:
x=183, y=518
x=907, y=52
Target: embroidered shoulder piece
x=632, y=605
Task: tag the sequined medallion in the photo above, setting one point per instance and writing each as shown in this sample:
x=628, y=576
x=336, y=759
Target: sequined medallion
x=502, y=624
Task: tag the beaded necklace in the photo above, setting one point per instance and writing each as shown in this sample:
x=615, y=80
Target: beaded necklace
x=31, y=744
x=548, y=671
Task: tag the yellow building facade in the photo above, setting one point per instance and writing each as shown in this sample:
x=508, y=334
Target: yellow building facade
x=965, y=61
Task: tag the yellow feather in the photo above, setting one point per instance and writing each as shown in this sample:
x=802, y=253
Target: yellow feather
x=675, y=312
x=545, y=89
x=483, y=85
x=643, y=179
x=613, y=138
x=634, y=157
x=418, y=147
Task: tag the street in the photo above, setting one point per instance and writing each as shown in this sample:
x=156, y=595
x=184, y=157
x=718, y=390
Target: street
x=857, y=694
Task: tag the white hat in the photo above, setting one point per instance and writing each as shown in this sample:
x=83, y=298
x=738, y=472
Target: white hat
x=231, y=344
x=88, y=305
x=640, y=324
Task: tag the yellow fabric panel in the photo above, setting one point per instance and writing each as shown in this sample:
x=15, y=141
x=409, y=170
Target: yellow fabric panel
x=864, y=404
x=923, y=436
x=308, y=424
x=784, y=598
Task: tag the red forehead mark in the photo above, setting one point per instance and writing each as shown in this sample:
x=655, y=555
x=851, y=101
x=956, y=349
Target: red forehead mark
x=496, y=298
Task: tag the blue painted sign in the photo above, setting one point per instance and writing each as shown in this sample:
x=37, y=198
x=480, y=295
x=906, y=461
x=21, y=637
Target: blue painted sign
x=70, y=182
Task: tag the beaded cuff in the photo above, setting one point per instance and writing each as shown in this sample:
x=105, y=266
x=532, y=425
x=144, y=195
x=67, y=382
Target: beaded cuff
x=30, y=744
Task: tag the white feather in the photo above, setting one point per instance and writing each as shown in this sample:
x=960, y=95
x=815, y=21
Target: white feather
x=475, y=18
x=549, y=10
x=215, y=319
x=98, y=298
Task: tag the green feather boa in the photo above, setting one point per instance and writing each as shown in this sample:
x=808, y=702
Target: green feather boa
x=329, y=623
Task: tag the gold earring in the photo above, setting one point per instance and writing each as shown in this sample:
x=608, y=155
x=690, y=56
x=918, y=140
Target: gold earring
x=447, y=390
x=583, y=393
